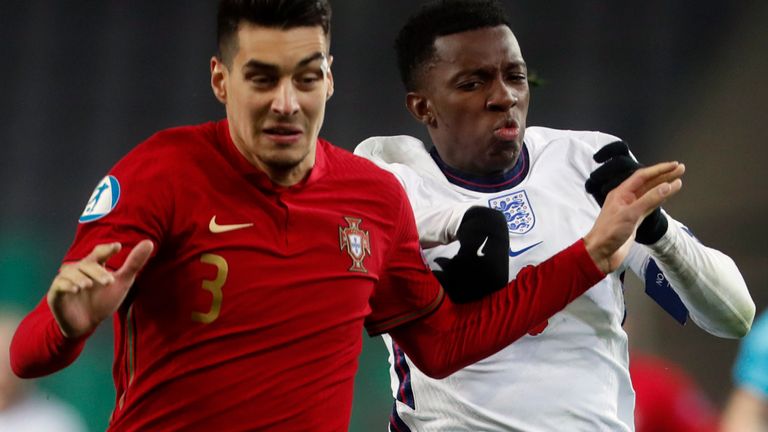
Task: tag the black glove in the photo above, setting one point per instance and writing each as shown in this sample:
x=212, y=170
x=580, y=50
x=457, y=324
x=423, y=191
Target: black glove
x=482, y=264
x=617, y=166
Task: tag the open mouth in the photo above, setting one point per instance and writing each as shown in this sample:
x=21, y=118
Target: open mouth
x=284, y=131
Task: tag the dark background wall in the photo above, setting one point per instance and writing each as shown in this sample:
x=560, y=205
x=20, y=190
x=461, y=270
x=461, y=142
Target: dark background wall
x=82, y=82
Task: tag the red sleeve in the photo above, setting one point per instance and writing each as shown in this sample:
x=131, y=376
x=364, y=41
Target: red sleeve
x=140, y=194
x=39, y=348
x=406, y=289
x=457, y=335
x=131, y=204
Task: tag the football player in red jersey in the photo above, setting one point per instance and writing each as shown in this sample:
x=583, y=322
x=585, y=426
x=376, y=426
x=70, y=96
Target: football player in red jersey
x=241, y=258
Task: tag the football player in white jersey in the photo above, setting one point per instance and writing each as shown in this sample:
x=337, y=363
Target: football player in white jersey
x=467, y=83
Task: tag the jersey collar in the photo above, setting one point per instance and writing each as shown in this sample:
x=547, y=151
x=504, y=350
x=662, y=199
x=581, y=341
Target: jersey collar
x=486, y=184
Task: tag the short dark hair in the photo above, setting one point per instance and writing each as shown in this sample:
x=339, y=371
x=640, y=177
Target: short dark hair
x=283, y=14
x=415, y=44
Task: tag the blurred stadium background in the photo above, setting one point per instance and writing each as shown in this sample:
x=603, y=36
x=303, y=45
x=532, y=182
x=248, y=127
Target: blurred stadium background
x=84, y=81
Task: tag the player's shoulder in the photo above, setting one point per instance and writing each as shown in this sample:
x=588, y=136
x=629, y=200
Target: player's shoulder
x=391, y=149
x=166, y=150
x=538, y=138
x=405, y=156
x=176, y=140
x=357, y=170
x=565, y=148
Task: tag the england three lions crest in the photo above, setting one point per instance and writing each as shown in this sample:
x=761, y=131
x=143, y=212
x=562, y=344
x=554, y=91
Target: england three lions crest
x=517, y=210
x=356, y=242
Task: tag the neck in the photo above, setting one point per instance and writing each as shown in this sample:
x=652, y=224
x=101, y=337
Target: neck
x=286, y=175
x=282, y=173
x=492, y=182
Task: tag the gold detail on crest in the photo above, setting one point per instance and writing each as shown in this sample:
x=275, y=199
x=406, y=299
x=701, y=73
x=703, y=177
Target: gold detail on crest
x=356, y=242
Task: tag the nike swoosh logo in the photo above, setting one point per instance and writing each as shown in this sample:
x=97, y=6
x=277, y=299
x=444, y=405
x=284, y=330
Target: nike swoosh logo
x=514, y=253
x=216, y=228
x=480, y=249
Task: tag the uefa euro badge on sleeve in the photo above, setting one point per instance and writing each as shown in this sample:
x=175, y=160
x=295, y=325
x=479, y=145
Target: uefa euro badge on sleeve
x=517, y=211
x=356, y=242
x=103, y=200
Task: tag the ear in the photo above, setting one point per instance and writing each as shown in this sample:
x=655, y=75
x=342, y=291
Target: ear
x=420, y=109
x=329, y=91
x=219, y=76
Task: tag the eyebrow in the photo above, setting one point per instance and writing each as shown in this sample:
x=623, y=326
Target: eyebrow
x=256, y=64
x=519, y=63
x=486, y=69
x=512, y=64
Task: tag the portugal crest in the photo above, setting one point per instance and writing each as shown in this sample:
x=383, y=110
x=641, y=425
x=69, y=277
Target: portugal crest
x=517, y=210
x=356, y=242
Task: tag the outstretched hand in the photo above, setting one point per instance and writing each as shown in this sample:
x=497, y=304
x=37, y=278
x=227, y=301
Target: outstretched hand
x=617, y=165
x=625, y=207
x=85, y=293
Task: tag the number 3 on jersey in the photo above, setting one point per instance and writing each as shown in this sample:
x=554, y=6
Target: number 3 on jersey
x=214, y=287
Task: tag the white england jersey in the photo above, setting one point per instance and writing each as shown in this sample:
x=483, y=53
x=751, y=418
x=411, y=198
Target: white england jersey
x=571, y=373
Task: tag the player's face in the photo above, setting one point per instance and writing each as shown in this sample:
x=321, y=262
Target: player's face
x=475, y=99
x=275, y=92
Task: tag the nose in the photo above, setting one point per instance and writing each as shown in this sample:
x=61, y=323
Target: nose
x=502, y=97
x=286, y=102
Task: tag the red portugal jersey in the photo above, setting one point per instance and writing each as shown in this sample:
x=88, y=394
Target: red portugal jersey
x=249, y=314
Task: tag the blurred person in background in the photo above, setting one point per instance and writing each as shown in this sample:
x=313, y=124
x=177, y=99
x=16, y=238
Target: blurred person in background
x=240, y=259
x=467, y=83
x=747, y=408
x=667, y=398
x=23, y=408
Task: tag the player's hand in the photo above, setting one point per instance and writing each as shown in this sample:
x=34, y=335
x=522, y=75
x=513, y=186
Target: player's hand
x=617, y=166
x=482, y=264
x=625, y=207
x=85, y=293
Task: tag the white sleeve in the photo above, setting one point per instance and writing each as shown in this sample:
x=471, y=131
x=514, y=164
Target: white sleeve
x=437, y=220
x=707, y=281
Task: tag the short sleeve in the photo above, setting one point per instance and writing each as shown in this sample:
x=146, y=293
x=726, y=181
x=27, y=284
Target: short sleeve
x=750, y=371
x=130, y=204
x=406, y=289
